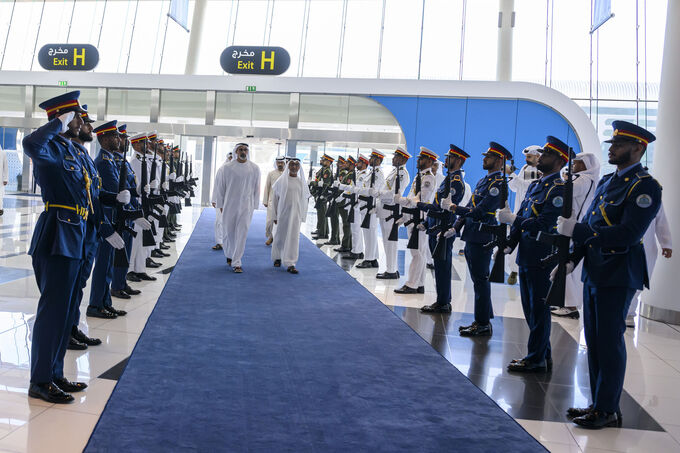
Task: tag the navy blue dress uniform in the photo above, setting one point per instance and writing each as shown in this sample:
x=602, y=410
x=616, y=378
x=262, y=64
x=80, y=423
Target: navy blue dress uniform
x=57, y=247
x=482, y=208
x=100, y=293
x=538, y=212
x=442, y=268
x=609, y=239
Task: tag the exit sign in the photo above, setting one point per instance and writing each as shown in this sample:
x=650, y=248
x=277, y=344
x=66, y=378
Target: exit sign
x=63, y=83
x=251, y=88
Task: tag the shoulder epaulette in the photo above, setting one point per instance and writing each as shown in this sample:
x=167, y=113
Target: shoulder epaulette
x=559, y=182
x=457, y=178
x=643, y=174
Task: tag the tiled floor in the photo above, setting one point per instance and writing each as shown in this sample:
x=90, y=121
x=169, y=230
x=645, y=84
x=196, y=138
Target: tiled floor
x=650, y=404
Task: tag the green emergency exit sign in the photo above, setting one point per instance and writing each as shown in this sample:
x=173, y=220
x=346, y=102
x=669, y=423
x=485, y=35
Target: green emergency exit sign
x=251, y=88
x=63, y=83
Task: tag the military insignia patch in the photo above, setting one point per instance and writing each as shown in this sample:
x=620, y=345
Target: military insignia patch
x=558, y=202
x=494, y=191
x=453, y=191
x=643, y=201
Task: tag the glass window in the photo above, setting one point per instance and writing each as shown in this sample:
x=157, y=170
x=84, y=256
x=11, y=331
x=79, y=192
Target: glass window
x=271, y=110
x=216, y=17
x=185, y=107
x=250, y=24
x=129, y=105
x=22, y=35
x=6, y=9
x=614, y=65
x=441, y=39
x=323, y=39
x=401, y=39
x=368, y=115
x=570, y=48
x=323, y=112
x=13, y=100
x=529, y=41
x=176, y=44
x=362, y=39
x=653, y=31
x=147, y=39
x=286, y=30
x=234, y=109
x=481, y=31
x=54, y=26
x=86, y=23
x=114, y=43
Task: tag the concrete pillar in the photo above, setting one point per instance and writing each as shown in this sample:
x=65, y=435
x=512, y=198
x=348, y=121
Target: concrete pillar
x=506, y=22
x=661, y=303
x=195, y=35
x=207, y=174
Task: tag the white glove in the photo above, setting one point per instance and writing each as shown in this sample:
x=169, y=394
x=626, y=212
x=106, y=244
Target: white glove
x=570, y=268
x=115, y=240
x=180, y=179
x=421, y=227
x=371, y=211
x=153, y=184
x=396, y=198
x=450, y=232
x=336, y=184
x=405, y=202
x=342, y=186
x=142, y=223
x=507, y=250
x=123, y=197
x=319, y=183
x=165, y=186
x=166, y=209
x=506, y=216
x=147, y=189
x=565, y=226
x=400, y=221
x=446, y=204
x=373, y=192
x=172, y=176
x=66, y=118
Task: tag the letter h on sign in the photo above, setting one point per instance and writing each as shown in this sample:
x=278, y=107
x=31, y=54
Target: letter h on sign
x=270, y=60
x=77, y=57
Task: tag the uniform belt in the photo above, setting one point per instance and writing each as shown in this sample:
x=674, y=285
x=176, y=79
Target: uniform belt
x=80, y=210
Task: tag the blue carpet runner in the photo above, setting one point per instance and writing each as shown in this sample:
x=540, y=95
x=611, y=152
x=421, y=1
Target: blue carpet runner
x=266, y=361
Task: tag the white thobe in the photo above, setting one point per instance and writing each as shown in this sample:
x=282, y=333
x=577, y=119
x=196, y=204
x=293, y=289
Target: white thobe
x=386, y=197
x=3, y=174
x=238, y=195
x=266, y=200
x=219, y=234
x=416, y=270
x=370, y=234
x=289, y=210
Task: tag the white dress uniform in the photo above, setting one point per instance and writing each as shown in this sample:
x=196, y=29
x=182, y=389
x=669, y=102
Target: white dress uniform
x=3, y=174
x=387, y=197
x=355, y=228
x=416, y=270
x=139, y=253
x=370, y=234
x=157, y=178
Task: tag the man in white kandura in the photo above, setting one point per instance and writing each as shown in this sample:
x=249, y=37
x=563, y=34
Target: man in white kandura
x=289, y=200
x=238, y=195
x=266, y=197
x=219, y=234
x=3, y=176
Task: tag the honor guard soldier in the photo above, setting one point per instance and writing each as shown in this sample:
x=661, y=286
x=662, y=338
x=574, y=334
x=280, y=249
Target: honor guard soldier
x=332, y=212
x=451, y=191
x=323, y=179
x=482, y=208
x=609, y=240
x=372, y=185
x=386, y=216
x=422, y=191
x=351, y=189
x=537, y=213
x=346, y=176
x=58, y=243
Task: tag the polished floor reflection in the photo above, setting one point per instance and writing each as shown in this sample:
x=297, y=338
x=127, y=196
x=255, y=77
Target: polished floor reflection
x=650, y=403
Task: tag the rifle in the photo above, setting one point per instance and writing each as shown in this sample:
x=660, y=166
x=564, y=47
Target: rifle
x=395, y=209
x=443, y=224
x=416, y=216
x=560, y=244
x=148, y=239
x=370, y=204
x=332, y=194
x=157, y=200
x=120, y=257
x=187, y=185
x=500, y=232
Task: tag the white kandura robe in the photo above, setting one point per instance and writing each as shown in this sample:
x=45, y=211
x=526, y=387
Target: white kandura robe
x=267, y=201
x=219, y=233
x=289, y=208
x=238, y=194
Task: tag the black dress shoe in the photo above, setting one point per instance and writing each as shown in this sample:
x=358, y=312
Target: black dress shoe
x=120, y=294
x=292, y=270
x=96, y=312
x=152, y=264
x=406, y=290
x=161, y=253
x=331, y=242
x=365, y=265
x=436, y=308
x=228, y=261
x=132, y=277
x=375, y=264
x=145, y=276
x=315, y=233
x=81, y=337
x=421, y=290
x=596, y=419
x=574, y=412
x=429, y=266
x=164, y=247
x=388, y=275
x=116, y=312
x=353, y=256
x=477, y=330
x=50, y=393
x=215, y=247
x=525, y=366
x=277, y=263
x=342, y=250
x=75, y=345
x=157, y=254
x=167, y=239
x=68, y=386
x=132, y=292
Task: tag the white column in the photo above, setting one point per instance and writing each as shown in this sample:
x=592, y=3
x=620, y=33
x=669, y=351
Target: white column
x=661, y=303
x=195, y=36
x=506, y=22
